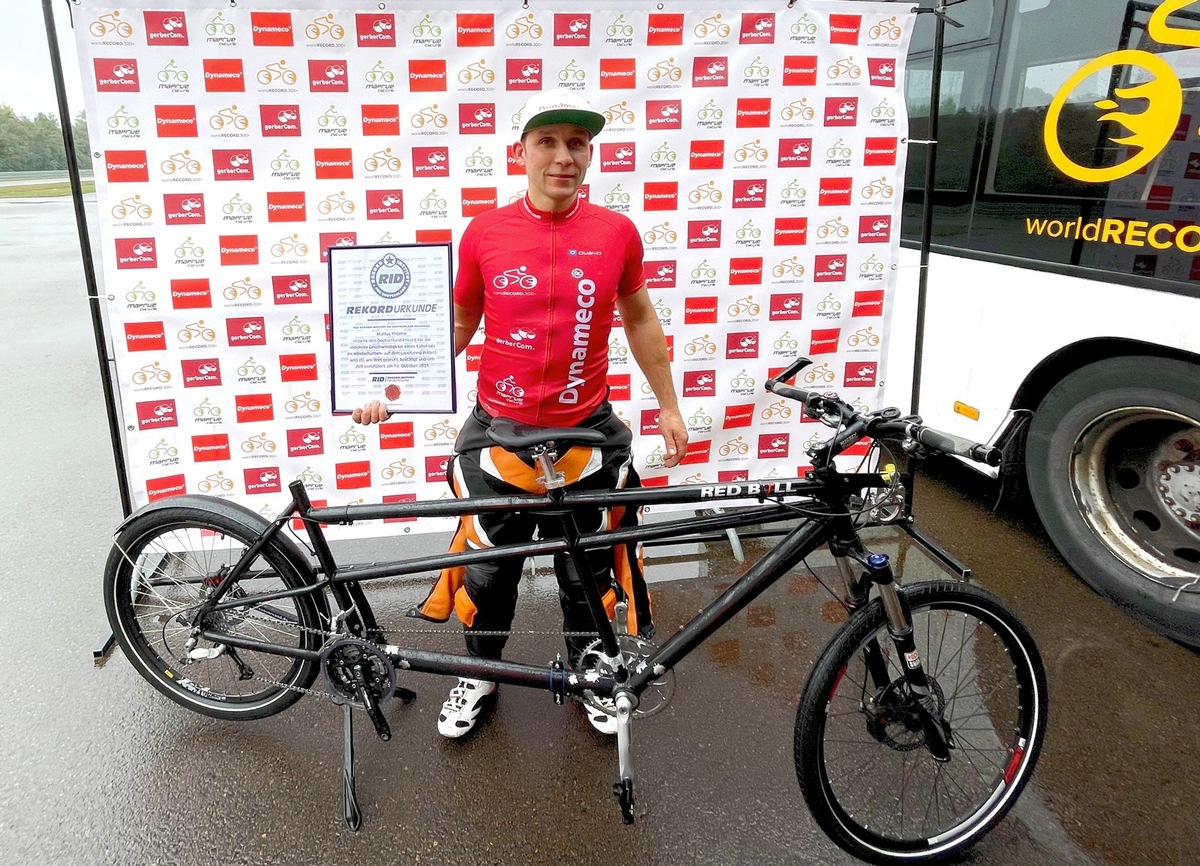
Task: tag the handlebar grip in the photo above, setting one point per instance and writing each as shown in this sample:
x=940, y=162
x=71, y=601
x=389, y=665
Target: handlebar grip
x=795, y=367
x=790, y=391
x=957, y=445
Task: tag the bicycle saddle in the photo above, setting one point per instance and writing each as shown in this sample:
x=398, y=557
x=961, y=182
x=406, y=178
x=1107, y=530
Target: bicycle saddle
x=513, y=436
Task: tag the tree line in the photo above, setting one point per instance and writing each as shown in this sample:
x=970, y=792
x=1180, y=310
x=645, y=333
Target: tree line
x=37, y=144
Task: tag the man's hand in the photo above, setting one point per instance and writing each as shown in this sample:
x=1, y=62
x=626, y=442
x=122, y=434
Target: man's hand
x=372, y=413
x=675, y=436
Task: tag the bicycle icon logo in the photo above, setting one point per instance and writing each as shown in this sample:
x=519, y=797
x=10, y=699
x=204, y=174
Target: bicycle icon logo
x=251, y=367
x=871, y=265
x=524, y=26
x=218, y=26
x=661, y=310
x=207, y=409
x=746, y=306
x=757, y=69
x=571, y=72
x=742, y=382
x=397, y=469
x=303, y=402
x=121, y=117
x=887, y=28
x=311, y=478
x=478, y=159
x=163, y=450
x=243, y=288
x=620, y=28
x=779, y=409
x=804, y=27
x=432, y=202
x=839, y=150
x=616, y=196
x=666, y=69
x=131, y=206
x=441, y=430
x=182, y=161
x=110, y=22
x=257, y=442
x=509, y=386
x=515, y=276
x=835, y=226
x=750, y=231
x=883, y=109
x=331, y=118
x=880, y=188
x=798, y=109
x=786, y=342
x=700, y=346
x=706, y=190
x=139, y=293
x=336, y=202
x=289, y=244
x=151, y=372
x=863, y=336
x=296, y=327
x=215, y=481
x=425, y=28
x=751, y=150
x=285, y=161
x=793, y=191
x=703, y=271
x=819, y=373
x=188, y=249
x=276, y=71
x=699, y=419
x=660, y=232
x=236, y=205
x=324, y=26
x=663, y=154
x=736, y=445
x=429, y=114
x=196, y=330
x=619, y=113
x=846, y=66
x=829, y=304
x=380, y=74
x=229, y=117
x=712, y=25
x=477, y=70
x=382, y=159
x=616, y=350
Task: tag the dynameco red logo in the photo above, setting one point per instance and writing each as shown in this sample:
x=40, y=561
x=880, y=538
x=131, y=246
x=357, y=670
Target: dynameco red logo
x=523, y=74
x=239, y=249
x=664, y=114
x=618, y=156
x=328, y=76
x=210, y=448
x=477, y=200
x=753, y=113
x=183, y=208
x=788, y=306
x=166, y=28
x=830, y=269
x=824, y=341
x=298, y=368
x=279, y=120
x=861, y=374
x=381, y=120
x=665, y=28
x=175, y=121
x=844, y=29
x=161, y=488
x=286, y=207
x=233, y=164
x=800, y=70
x=475, y=29
x=791, y=231
x=126, y=166
x=704, y=234
x=385, y=204
x=707, y=155
x=157, y=413
x=758, y=28
x=835, y=191
x=660, y=195
x=333, y=163
x=246, y=331
x=432, y=162
x=201, y=372
x=426, y=76
x=710, y=72
x=477, y=118
x=618, y=73
x=136, y=253
x=271, y=28
x=619, y=387
x=224, y=75
x=841, y=111
x=396, y=434
x=193, y=294
x=116, y=75
x=700, y=311
x=376, y=29
x=869, y=303
x=880, y=151
x=874, y=229
x=262, y=479
x=700, y=383
x=145, y=336
x=572, y=29
x=746, y=271
x=292, y=288
x=254, y=407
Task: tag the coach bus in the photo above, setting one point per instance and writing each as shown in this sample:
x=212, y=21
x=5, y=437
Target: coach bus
x=1063, y=297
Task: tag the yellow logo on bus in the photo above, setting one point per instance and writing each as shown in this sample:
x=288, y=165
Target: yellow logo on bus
x=1149, y=131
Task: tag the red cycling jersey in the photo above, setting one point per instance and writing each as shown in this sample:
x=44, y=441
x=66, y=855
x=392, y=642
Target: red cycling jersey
x=548, y=284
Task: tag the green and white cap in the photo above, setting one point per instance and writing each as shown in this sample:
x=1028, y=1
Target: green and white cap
x=560, y=106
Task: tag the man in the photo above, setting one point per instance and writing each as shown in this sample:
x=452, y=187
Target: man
x=545, y=275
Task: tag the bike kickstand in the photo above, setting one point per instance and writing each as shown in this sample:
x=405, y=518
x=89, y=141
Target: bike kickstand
x=351, y=811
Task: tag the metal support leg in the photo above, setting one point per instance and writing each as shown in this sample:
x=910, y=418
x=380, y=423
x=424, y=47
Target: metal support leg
x=623, y=789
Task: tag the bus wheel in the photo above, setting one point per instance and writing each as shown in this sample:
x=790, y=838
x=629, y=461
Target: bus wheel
x=1113, y=465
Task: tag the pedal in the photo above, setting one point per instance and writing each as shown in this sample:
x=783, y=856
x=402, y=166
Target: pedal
x=623, y=791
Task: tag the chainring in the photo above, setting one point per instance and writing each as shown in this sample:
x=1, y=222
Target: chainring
x=635, y=652
x=339, y=657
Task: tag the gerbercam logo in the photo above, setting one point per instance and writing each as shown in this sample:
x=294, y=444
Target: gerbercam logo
x=572, y=29
x=116, y=75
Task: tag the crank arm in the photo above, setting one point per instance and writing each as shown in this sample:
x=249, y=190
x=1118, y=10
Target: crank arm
x=371, y=705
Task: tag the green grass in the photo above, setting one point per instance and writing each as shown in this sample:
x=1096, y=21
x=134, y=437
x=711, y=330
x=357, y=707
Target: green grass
x=43, y=190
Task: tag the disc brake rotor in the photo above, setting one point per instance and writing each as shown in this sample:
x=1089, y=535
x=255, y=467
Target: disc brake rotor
x=635, y=653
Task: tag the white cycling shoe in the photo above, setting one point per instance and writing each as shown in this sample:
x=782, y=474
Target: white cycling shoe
x=461, y=709
x=604, y=722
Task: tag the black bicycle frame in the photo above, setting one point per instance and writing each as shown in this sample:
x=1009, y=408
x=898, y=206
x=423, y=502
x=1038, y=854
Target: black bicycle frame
x=825, y=523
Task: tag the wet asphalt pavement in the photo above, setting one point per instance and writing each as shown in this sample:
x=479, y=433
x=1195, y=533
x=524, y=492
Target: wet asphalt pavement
x=97, y=768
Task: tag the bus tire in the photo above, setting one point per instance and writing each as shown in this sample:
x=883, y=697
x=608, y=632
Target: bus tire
x=1113, y=467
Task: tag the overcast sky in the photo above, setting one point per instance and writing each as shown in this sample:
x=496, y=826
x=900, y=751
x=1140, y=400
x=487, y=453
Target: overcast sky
x=26, y=79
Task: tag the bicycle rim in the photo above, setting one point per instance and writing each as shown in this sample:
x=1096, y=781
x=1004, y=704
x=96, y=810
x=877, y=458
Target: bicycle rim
x=861, y=759
x=161, y=569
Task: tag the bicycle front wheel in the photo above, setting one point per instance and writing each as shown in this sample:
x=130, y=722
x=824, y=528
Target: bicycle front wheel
x=164, y=564
x=860, y=752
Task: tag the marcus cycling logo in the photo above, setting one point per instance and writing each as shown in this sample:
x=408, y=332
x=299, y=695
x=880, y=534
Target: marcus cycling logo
x=390, y=277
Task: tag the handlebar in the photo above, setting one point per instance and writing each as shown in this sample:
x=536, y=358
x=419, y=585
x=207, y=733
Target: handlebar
x=884, y=424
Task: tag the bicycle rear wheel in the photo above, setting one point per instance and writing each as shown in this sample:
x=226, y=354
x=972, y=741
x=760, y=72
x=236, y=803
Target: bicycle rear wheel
x=164, y=563
x=861, y=760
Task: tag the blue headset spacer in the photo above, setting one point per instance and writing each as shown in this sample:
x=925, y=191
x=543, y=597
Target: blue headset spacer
x=878, y=560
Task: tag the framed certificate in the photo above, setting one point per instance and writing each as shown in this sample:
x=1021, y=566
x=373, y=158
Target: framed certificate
x=391, y=319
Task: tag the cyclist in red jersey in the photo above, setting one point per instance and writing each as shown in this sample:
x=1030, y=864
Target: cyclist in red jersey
x=545, y=276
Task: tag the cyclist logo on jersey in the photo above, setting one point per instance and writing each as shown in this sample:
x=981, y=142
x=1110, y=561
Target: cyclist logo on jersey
x=1146, y=115
x=517, y=277
x=390, y=277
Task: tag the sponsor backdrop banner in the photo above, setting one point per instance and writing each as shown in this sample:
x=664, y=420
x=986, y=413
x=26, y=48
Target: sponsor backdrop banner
x=758, y=148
